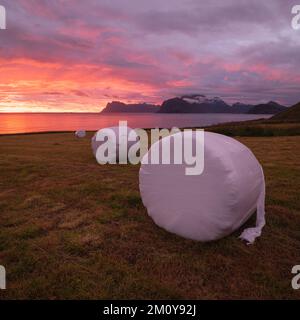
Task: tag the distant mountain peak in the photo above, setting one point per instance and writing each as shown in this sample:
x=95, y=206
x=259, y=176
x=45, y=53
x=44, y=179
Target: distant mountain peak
x=199, y=103
x=271, y=107
x=239, y=104
x=274, y=103
x=117, y=106
x=192, y=96
x=194, y=103
x=201, y=99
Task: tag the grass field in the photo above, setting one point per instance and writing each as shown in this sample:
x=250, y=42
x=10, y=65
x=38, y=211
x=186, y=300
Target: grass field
x=258, y=128
x=70, y=228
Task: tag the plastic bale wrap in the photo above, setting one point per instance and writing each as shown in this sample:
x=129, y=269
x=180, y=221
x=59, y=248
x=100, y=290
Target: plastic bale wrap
x=213, y=204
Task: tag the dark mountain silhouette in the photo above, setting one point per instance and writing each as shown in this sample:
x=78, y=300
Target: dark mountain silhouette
x=267, y=108
x=117, y=106
x=194, y=104
x=239, y=107
x=202, y=104
x=290, y=114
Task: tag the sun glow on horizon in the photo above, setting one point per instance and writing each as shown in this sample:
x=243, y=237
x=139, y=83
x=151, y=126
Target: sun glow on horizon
x=103, y=52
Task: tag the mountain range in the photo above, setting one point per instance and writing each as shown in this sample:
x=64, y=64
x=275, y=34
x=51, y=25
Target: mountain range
x=195, y=103
x=117, y=106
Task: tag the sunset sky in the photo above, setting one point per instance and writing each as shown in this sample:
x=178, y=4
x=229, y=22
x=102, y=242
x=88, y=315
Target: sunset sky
x=64, y=55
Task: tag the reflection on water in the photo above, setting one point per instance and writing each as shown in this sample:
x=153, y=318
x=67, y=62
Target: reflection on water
x=39, y=122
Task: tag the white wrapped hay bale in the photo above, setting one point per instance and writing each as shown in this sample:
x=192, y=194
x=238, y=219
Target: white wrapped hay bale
x=213, y=204
x=118, y=140
x=80, y=133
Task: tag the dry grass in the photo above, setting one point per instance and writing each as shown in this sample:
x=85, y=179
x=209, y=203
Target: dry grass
x=70, y=228
x=258, y=128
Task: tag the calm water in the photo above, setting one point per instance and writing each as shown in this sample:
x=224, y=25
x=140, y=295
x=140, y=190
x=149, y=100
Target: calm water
x=39, y=122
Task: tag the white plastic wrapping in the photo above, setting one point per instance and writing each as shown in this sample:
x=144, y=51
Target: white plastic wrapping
x=211, y=205
x=80, y=133
x=118, y=135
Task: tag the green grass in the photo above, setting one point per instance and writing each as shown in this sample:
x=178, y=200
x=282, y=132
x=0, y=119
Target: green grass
x=70, y=228
x=258, y=128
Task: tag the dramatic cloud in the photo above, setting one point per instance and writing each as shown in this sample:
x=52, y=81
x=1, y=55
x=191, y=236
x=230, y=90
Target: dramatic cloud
x=67, y=55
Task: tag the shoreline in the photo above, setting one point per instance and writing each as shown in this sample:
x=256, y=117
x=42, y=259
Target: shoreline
x=25, y=123
x=255, y=127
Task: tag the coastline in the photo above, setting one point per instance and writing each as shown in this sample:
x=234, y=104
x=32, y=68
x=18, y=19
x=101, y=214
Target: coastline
x=20, y=123
x=257, y=127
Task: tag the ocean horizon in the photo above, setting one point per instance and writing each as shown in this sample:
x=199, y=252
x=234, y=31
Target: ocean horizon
x=12, y=123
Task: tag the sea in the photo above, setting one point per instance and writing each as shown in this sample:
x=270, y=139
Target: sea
x=11, y=123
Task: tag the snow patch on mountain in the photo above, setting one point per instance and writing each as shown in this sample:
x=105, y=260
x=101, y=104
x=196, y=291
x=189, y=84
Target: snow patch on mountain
x=200, y=99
